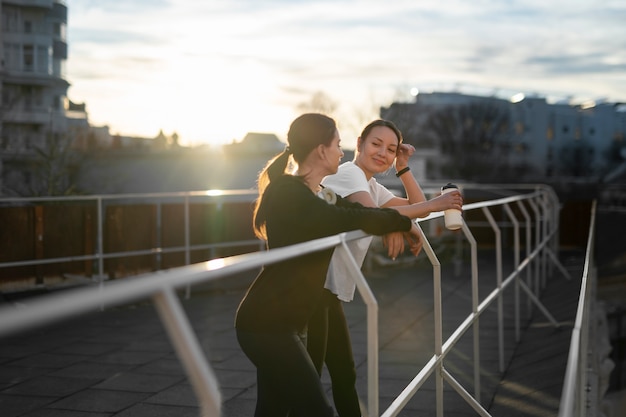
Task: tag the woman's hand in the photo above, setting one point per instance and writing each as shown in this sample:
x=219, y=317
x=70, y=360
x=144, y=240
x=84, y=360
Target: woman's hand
x=394, y=242
x=414, y=239
x=402, y=156
x=450, y=200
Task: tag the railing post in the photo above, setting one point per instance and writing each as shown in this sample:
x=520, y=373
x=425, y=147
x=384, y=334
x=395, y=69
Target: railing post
x=526, y=215
x=187, y=239
x=100, y=244
x=189, y=351
x=438, y=320
x=372, y=327
x=498, y=237
x=158, y=235
x=516, y=263
x=545, y=215
x=476, y=326
x=536, y=287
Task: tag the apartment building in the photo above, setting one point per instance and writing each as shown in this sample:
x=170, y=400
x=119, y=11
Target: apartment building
x=549, y=140
x=32, y=79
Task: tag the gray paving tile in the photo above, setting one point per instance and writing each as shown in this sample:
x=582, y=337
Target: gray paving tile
x=11, y=375
x=11, y=350
x=238, y=362
x=90, y=370
x=51, y=412
x=178, y=395
x=151, y=344
x=158, y=410
x=239, y=407
x=128, y=357
x=236, y=378
x=169, y=365
x=124, y=353
x=237, y=393
x=16, y=405
x=50, y=386
x=48, y=360
x=134, y=382
x=88, y=349
x=99, y=401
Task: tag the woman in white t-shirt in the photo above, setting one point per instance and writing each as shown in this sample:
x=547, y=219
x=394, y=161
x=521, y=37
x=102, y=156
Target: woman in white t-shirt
x=328, y=340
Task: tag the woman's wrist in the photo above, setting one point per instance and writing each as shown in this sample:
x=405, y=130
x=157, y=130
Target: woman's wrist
x=402, y=171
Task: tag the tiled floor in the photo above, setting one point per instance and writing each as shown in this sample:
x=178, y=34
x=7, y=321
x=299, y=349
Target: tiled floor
x=119, y=362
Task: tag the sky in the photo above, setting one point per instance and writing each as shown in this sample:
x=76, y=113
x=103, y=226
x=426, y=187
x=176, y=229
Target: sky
x=214, y=70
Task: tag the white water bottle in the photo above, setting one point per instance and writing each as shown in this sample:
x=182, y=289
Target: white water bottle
x=452, y=217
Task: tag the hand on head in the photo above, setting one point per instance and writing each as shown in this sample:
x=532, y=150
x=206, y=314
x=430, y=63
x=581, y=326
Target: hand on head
x=403, y=154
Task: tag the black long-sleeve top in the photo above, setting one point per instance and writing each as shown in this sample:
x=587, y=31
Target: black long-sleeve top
x=285, y=294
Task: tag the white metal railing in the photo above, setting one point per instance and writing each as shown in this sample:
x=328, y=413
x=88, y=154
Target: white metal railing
x=576, y=386
x=217, y=197
x=160, y=286
x=545, y=205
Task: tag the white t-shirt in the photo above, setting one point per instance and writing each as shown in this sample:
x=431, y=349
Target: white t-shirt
x=348, y=180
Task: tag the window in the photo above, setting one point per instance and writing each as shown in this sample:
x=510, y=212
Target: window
x=10, y=19
x=12, y=56
x=56, y=102
x=43, y=60
x=28, y=26
x=28, y=57
x=27, y=97
x=59, y=30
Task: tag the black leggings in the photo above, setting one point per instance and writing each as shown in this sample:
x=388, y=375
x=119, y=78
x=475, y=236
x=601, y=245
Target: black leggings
x=287, y=382
x=328, y=341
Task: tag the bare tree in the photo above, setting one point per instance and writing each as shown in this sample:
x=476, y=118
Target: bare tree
x=56, y=166
x=576, y=159
x=48, y=170
x=411, y=119
x=475, y=138
x=320, y=102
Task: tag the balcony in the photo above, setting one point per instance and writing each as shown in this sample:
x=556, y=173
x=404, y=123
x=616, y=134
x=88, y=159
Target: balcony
x=511, y=292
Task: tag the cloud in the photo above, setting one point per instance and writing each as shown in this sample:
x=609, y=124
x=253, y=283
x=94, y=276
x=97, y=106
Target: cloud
x=277, y=53
x=564, y=64
x=111, y=37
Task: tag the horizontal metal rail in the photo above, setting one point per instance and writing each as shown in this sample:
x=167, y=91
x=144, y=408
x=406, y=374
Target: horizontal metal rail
x=575, y=385
x=214, y=197
x=159, y=286
x=442, y=349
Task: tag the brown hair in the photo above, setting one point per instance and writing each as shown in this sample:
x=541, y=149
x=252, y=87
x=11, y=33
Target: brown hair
x=306, y=132
x=381, y=122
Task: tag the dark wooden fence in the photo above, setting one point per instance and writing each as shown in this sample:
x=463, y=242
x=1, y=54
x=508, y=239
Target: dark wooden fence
x=61, y=230
x=69, y=229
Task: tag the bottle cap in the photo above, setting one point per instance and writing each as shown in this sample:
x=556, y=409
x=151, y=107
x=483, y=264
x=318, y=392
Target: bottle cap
x=449, y=185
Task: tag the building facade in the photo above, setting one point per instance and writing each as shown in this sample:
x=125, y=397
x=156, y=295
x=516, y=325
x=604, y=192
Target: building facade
x=545, y=141
x=32, y=79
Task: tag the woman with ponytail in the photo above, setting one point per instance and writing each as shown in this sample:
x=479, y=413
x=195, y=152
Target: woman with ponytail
x=272, y=318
